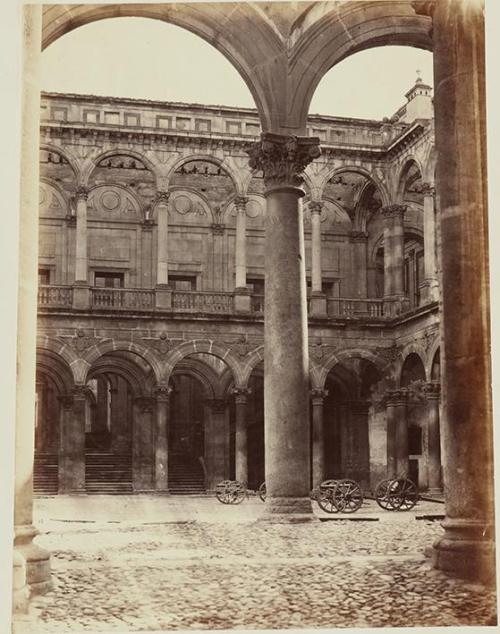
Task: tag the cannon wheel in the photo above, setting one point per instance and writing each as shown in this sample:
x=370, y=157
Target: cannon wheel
x=230, y=492
x=262, y=491
x=383, y=495
x=326, y=496
x=348, y=496
x=407, y=494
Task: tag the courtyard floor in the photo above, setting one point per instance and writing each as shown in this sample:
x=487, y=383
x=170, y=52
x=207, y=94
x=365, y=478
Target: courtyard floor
x=139, y=563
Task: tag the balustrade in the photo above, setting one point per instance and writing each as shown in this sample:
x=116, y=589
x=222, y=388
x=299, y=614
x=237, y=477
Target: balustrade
x=123, y=298
x=204, y=302
x=55, y=295
x=355, y=307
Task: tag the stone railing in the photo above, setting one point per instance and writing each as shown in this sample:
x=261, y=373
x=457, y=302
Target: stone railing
x=55, y=296
x=338, y=306
x=202, y=302
x=123, y=298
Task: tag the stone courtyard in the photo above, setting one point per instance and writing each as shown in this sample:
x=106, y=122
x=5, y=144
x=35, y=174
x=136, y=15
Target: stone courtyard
x=180, y=563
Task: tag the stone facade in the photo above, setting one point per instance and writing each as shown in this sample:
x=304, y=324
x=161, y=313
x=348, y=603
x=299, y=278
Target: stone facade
x=151, y=296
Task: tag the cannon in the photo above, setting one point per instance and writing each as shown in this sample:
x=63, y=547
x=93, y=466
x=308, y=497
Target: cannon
x=231, y=492
x=339, y=496
x=396, y=494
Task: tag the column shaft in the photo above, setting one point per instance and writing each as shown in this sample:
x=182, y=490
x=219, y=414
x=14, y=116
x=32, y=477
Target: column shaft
x=318, y=440
x=241, y=443
x=430, y=281
x=161, y=440
x=142, y=446
x=162, y=235
x=72, y=447
x=316, y=274
x=81, y=264
x=433, y=437
x=240, y=247
x=460, y=128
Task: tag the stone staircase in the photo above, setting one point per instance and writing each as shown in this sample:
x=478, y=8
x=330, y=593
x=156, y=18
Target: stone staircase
x=45, y=474
x=108, y=473
x=185, y=475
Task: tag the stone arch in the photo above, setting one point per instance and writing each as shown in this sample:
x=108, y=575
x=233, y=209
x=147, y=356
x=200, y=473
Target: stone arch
x=429, y=165
x=342, y=355
x=252, y=360
x=60, y=193
x=402, y=173
x=202, y=345
x=431, y=353
x=110, y=345
x=127, y=191
x=110, y=363
x=200, y=371
x=207, y=207
x=63, y=350
x=328, y=33
x=57, y=368
x=91, y=163
x=72, y=161
x=411, y=353
x=335, y=171
x=211, y=22
x=208, y=158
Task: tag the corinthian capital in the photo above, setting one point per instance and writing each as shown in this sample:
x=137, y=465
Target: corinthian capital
x=315, y=207
x=394, y=211
x=82, y=193
x=428, y=189
x=240, y=202
x=283, y=158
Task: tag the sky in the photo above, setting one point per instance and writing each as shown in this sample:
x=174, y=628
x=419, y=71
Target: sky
x=149, y=59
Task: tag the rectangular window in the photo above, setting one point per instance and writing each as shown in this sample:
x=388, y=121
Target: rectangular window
x=132, y=119
x=202, y=125
x=59, y=114
x=91, y=116
x=43, y=277
x=182, y=123
x=163, y=122
x=112, y=118
x=107, y=279
x=233, y=127
x=182, y=282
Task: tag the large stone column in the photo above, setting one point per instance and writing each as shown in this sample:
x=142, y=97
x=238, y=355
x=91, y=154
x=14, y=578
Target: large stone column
x=72, y=443
x=286, y=381
x=432, y=391
x=467, y=546
x=31, y=564
x=318, y=440
x=397, y=433
x=142, y=446
x=161, y=438
x=429, y=288
x=318, y=299
x=394, y=257
x=216, y=442
x=241, y=446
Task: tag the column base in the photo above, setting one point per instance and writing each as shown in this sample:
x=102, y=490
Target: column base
x=36, y=564
x=242, y=300
x=163, y=297
x=81, y=295
x=466, y=550
x=288, y=510
x=20, y=590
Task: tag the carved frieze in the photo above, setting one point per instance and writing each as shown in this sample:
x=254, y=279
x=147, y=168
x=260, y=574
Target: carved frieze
x=81, y=341
x=241, y=346
x=394, y=211
x=162, y=344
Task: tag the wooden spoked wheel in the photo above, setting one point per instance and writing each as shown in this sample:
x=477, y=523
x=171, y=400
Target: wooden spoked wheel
x=326, y=496
x=262, y=491
x=382, y=495
x=348, y=496
x=398, y=494
x=230, y=492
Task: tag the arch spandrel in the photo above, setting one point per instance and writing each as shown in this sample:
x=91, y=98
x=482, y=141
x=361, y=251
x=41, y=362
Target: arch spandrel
x=321, y=371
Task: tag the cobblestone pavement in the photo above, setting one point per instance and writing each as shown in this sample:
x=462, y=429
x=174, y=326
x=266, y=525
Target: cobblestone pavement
x=137, y=575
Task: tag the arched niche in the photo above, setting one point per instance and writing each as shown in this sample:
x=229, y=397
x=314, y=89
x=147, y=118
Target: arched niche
x=52, y=201
x=412, y=370
x=113, y=202
x=187, y=206
x=57, y=167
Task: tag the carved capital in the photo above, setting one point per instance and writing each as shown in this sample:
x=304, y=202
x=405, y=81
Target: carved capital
x=315, y=207
x=70, y=220
x=282, y=159
x=145, y=404
x=66, y=401
x=318, y=395
x=396, y=397
x=81, y=193
x=161, y=197
x=240, y=203
x=218, y=228
x=241, y=394
x=162, y=392
x=428, y=189
x=80, y=392
x=394, y=211
x=432, y=390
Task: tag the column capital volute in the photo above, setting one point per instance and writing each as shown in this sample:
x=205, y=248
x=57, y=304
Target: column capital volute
x=240, y=203
x=144, y=403
x=394, y=211
x=432, y=390
x=81, y=193
x=282, y=158
x=161, y=197
x=396, y=397
x=217, y=405
x=318, y=395
x=241, y=394
x=316, y=207
x=162, y=392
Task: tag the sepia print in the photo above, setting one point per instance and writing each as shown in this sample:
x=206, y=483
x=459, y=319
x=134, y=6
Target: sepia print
x=261, y=394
